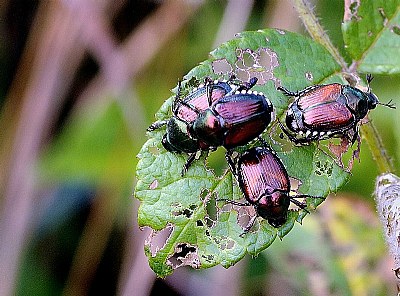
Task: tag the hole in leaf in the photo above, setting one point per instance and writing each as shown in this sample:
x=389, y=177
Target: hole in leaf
x=351, y=11
x=211, y=211
x=258, y=64
x=154, y=184
x=183, y=212
x=199, y=223
x=248, y=60
x=341, y=150
x=204, y=195
x=323, y=168
x=268, y=59
x=294, y=184
x=309, y=76
x=245, y=213
x=242, y=75
x=216, y=161
x=354, y=6
x=184, y=254
x=227, y=244
x=157, y=239
x=154, y=150
x=221, y=67
x=208, y=258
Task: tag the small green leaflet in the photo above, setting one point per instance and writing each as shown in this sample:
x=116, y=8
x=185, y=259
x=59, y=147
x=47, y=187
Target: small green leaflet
x=371, y=32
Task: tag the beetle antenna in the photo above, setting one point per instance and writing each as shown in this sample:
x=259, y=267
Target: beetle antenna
x=234, y=202
x=177, y=96
x=369, y=79
x=389, y=104
x=300, y=205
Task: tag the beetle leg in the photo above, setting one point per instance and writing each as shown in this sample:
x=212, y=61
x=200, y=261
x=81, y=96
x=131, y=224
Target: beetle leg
x=291, y=137
x=157, y=125
x=307, y=196
x=234, y=202
x=369, y=79
x=263, y=142
x=231, y=163
x=189, y=161
x=177, y=97
x=249, y=226
x=248, y=85
x=350, y=134
x=188, y=106
x=354, y=138
x=301, y=205
x=286, y=92
x=209, y=89
x=232, y=77
x=208, y=80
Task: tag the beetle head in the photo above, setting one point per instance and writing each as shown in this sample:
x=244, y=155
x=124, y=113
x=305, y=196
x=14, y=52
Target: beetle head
x=373, y=99
x=177, y=139
x=274, y=208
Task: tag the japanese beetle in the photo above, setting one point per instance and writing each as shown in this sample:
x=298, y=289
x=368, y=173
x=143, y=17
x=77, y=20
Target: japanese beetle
x=325, y=111
x=217, y=113
x=265, y=184
x=233, y=120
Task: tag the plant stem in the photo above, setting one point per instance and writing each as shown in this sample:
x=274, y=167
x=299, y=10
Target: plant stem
x=378, y=151
x=314, y=28
x=368, y=130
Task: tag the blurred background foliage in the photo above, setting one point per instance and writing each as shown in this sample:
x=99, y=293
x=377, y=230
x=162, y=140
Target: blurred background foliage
x=79, y=83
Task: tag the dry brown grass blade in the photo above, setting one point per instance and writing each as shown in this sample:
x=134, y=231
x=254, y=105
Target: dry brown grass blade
x=40, y=91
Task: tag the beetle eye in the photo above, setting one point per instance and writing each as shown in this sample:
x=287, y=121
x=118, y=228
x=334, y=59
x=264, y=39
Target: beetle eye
x=372, y=100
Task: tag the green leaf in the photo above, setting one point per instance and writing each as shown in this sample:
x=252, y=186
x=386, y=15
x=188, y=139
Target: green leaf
x=183, y=213
x=371, y=31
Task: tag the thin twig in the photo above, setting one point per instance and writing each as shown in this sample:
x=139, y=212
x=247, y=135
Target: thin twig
x=316, y=31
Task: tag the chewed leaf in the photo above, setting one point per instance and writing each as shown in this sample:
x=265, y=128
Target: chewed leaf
x=371, y=31
x=198, y=227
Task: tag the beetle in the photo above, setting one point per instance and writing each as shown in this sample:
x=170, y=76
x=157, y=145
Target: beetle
x=325, y=111
x=265, y=184
x=215, y=114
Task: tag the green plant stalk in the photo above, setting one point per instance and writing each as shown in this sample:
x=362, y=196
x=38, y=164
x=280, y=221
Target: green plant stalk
x=314, y=28
x=377, y=149
x=369, y=133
